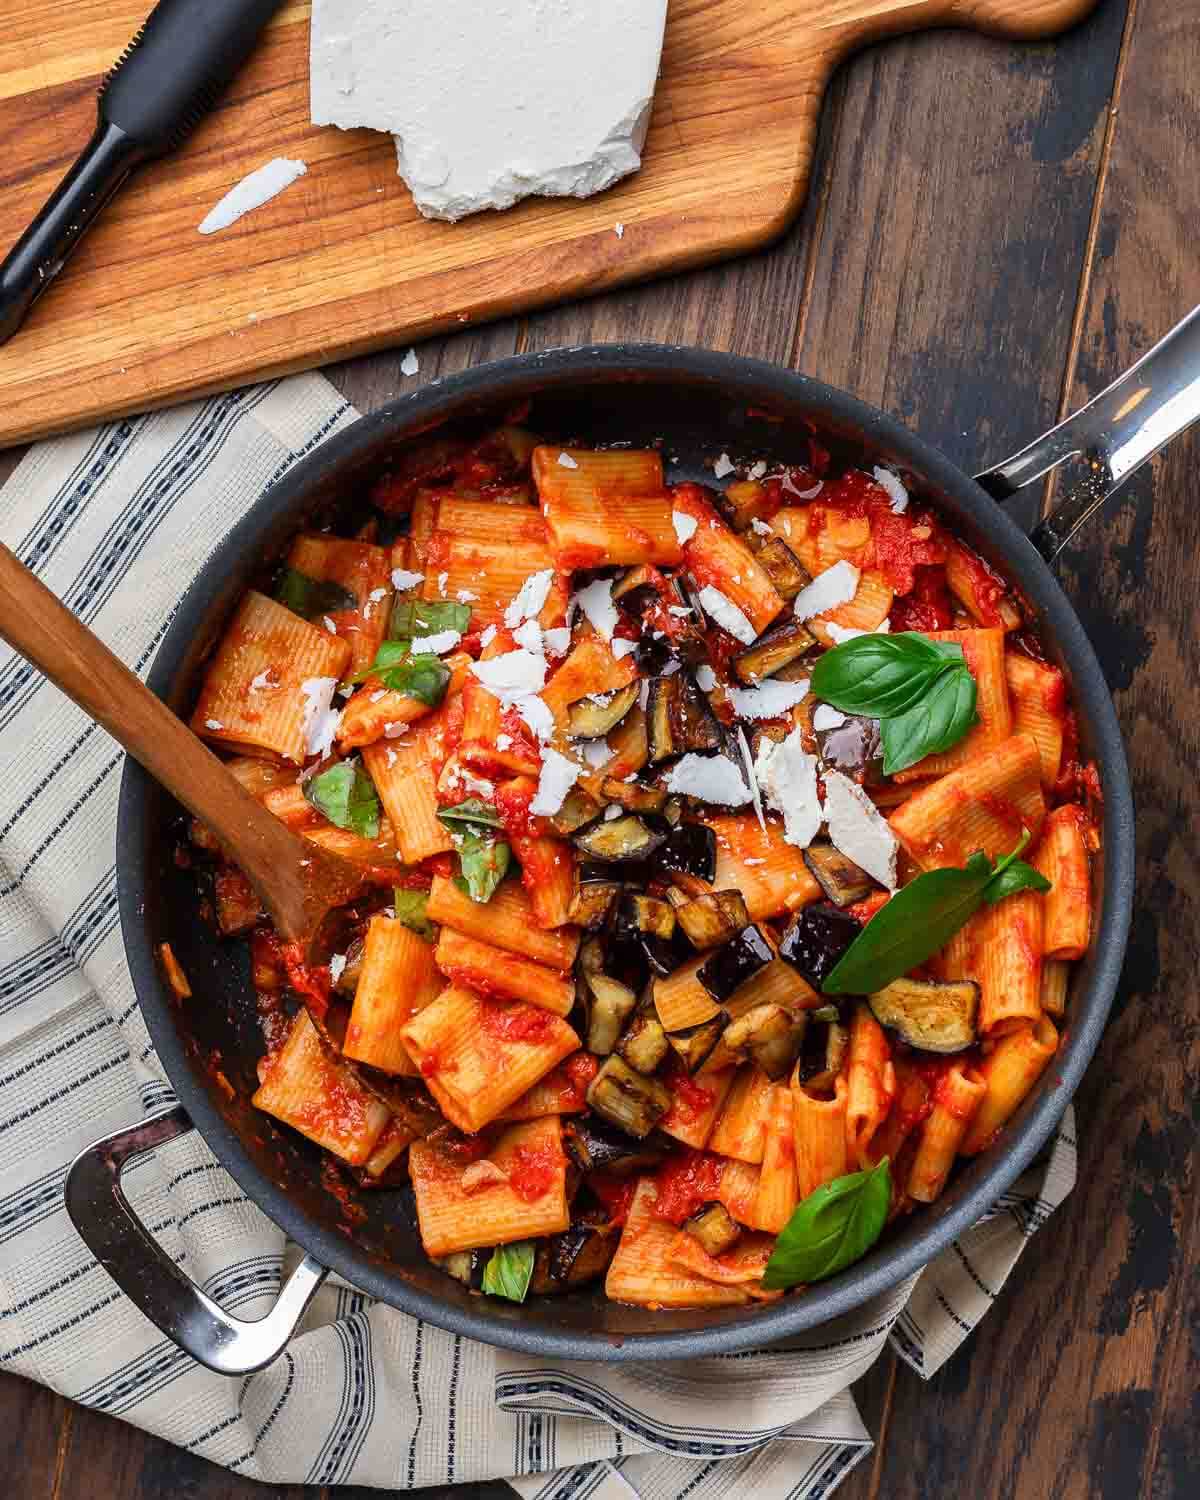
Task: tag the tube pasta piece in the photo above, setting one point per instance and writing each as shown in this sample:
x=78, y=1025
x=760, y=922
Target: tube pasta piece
x=548, y=875
x=738, y=1190
x=910, y=1107
x=506, y=921
x=739, y=1131
x=478, y=1056
x=1010, y=1071
x=398, y=979
x=1039, y=702
x=822, y=535
x=503, y=976
x=404, y=771
x=364, y=570
x=375, y=712
x=819, y=1136
x=392, y=1144
x=715, y=556
x=1000, y=948
x=1056, y=975
x=591, y=668
x=776, y=1197
x=304, y=1087
x=643, y=1271
x=956, y=1101
x=868, y=609
x=870, y=1085
x=977, y=589
x=526, y=1198
x=695, y=1104
x=252, y=698
x=420, y=529
x=604, y=508
x=743, y=1265
x=563, y=1091
x=1061, y=856
x=984, y=804
x=630, y=746
x=479, y=521
x=768, y=871
x=289, y=804
x=778, y=983
x=681, y=1000
x=983, y=651
x=492, y=570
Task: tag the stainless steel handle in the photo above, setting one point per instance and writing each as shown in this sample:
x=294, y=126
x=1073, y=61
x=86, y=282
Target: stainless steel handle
x=1113, y=435
x=149, y=1277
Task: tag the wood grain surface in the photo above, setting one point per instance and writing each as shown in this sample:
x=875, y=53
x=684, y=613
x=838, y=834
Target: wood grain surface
x=149, y=311
x=993, y=232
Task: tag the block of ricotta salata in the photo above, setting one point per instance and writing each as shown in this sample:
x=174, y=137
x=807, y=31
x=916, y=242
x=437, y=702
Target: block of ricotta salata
x=490, y=103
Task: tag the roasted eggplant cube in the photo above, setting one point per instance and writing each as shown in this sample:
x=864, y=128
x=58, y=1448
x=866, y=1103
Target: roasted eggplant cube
x=694, y=1044
x=467, y=1266
x=714, y=1227
x=933, y=1015
x=611, y=1006
x=594, y=1146
x=665, y=955
x=783, y=568
x=855, y=747
x=627, y=1100
x=842, y=881
x=822, y=1054
x=592, y=718
x=816, y=940
x=736, y=961
x=713, y=918
x=679, y=719
x=650, y=915
x=619, y=842
x=773, y=651
x=579, y=809
x=592, y=903
x=637, y=588
x=742, y=501
x=644, y=1043
x=579, y=1255
x=632, y=796
x=690, y=849
x=768, y=1034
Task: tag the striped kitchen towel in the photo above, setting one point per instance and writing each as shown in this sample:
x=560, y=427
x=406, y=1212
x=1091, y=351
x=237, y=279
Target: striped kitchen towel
x=117, y=522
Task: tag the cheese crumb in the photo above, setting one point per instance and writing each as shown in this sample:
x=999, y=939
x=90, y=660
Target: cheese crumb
x=723, y=466
x=840, y=634
x=530, y=598
x=465, y=596
x=213, y=724
x=711, y=778
x=337, y=966
x=565, y=461
x=897, y=494
x=512, y=675
x=619, y=231
x=504, y=742
x=596, y=603
x=836, y=585
x=760, y=526
x=685, y=526
x=329, y=625
x=536, y=713
x=727, y=615
x=706, y=678
x=825, y=716
x=410, y=364
x=443, y=579
x=557, y=641
x=613, y=811
x=529, y=635
x=403, y=580
x=488, y=636
x=263, y=681
x=809, y=494
x=769, y=700
x=622, y=648
x=558, y=776
x=320, y=720
x=788, y=778
x=435, y=645
x=859, y=830
x=595, y=752
x=759, y=469
x=252, y=192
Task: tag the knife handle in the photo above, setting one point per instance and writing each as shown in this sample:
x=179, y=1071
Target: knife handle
x=173, y=71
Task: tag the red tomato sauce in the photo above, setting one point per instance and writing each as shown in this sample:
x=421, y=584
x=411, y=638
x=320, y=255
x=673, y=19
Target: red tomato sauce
x=313, y=983
x=534, y=1170
x=928, y=607
x=517, y=1022
x=616, y=1194
x=581, y=1068
x=685, y=1181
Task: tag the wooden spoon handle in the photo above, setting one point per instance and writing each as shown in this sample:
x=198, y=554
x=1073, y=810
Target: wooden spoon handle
x=35, y=623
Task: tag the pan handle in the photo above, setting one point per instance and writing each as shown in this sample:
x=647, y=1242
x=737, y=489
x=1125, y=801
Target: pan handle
x=149, y=1277
x=1113, y=435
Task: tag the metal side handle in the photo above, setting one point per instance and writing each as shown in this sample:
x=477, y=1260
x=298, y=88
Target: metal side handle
x=1114, y=434
x=148, y=1276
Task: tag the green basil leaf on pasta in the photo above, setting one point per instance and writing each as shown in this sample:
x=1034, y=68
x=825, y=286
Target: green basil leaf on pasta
x=881, y=675
x=423, y=677
x=346, y=795
x=418, y=617
x=484, y=862
x=831, y=1229
x=313, y=597
x=474, y=812
x=1018, y=876
x=935, y=722
x=510, y=1270
x=412, y=909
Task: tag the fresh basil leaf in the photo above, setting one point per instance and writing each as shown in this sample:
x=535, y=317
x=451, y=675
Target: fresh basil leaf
x=831, y=1229
x=346, y=795
x=390, y=654
x=412, y=910
x=415, y=617
x=423, y=676
x=1015, y=877
x=485, y=863
x=473, y=812
x=881, y=675
x=510, y=1270
x=938, y=720
x=312, y=597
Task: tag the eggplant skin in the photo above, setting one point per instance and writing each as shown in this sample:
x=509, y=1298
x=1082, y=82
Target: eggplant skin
x=618, y=842
x=715, y=1228
x=842, y=881
x=734, y=962
x=594, y=1146
x=690, y=849
x=627, y=1100
x=816, y=940
x=933, y=1015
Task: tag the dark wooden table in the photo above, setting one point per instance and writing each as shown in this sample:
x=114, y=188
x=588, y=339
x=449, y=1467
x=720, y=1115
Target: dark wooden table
x=994, y=231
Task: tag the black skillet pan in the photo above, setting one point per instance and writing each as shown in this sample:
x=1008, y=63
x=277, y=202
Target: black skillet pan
x=698, y=404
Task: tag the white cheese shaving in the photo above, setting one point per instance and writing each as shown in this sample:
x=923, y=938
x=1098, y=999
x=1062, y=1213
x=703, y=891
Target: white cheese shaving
x=512, y=675
x=859, y=830
x=595, y=752
x=727, y=615
x=809, y=494
x=711, y=778
x=761, y=527
x=252, y=192
x=670, y=669
x=320, y=720
x=759, y=469
x=619, y=231
x=836, y=585
x=558, y=641
x=685, y=526
x=536, y=714
x=410, y=364
x=723, y=466
x=465, y=596
x=678, y=609
x=263, y=681
x=612, y=812
x=825, y=716
x=529, y=635
x=504, y=742
x=403, y=580
x=769, y=700
x=435, y=645
x=565, y=461
x=488, y=104
x=213, y=724
x=337, y=966
x=558, y=776
x=530, y=598
x=596, y=603
x=788, y=778
x=488, y=636
x=840, y=634
x=329, y=625
x=706, y=678
x=620, y=647
x=747, y=760
x=897, y=494
x=376, y=696
x=443, y=579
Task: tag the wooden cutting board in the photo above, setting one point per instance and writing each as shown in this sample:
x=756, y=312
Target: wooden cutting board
x=149, y=311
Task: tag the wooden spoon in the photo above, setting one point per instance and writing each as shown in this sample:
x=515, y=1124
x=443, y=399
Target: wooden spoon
x=298, y=882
